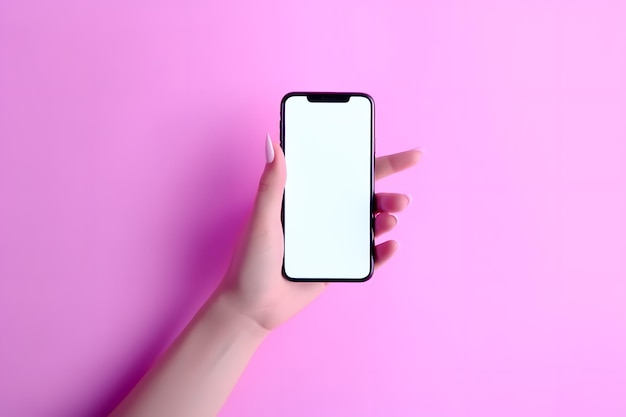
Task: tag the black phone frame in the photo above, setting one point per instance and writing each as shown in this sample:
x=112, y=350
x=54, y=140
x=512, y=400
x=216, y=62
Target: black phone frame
x=343, y=97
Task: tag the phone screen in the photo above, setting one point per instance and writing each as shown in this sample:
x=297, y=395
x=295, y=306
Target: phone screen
x=327, y=210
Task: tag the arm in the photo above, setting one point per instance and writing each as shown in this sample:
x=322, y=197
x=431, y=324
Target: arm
x=201, y=367
x=197, y=373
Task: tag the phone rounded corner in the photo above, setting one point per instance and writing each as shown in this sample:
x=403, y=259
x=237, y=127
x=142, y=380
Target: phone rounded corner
x=287, y=96
x=366, y=96
x=286, y=275
x=370, y=274
x=366, y=278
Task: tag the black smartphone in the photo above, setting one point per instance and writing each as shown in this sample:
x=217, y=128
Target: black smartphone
x=328, y=205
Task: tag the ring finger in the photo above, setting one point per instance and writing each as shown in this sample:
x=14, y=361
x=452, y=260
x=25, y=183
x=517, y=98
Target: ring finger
x=383, y=223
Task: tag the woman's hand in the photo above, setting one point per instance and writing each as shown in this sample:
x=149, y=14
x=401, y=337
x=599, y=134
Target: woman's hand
x=254, y=284
x=199, y=370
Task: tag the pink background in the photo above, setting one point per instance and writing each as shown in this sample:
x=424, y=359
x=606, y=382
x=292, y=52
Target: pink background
x=131, y=140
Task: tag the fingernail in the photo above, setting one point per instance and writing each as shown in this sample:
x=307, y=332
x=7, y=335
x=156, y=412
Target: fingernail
x=395, y=217
x=410, y=199
x=419, y=149
x=269, y=149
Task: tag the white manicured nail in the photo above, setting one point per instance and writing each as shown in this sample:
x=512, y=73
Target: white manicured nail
x=269, y=149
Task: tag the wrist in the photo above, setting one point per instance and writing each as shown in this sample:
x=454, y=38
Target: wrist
x=222, y=307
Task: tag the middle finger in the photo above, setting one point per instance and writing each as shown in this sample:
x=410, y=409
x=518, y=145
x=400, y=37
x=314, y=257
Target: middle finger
x=391, y=202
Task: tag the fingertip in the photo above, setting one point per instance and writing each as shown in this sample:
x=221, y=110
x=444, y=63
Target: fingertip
x=416, y=154
x=384, y=223
x=385, y=251
x=279, y=151
x=393, y=247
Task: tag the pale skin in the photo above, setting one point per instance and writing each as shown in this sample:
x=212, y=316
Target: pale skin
x=198, y=371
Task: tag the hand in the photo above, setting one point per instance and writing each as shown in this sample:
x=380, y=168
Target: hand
x=254, y=283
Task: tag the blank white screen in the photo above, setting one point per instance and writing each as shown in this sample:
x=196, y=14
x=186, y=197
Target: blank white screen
x=327, y=215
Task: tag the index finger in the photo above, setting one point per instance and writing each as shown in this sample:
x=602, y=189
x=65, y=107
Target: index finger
x=390, y=164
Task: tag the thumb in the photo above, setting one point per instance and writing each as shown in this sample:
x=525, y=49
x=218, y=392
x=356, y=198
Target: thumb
x=271, y=185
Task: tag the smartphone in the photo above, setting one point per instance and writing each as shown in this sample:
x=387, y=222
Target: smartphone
x=328, y=204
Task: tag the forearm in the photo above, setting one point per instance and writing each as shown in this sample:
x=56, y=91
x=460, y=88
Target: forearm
x=200, y=369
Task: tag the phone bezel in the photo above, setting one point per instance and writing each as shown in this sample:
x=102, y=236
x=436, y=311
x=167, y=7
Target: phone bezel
x=334, y=97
